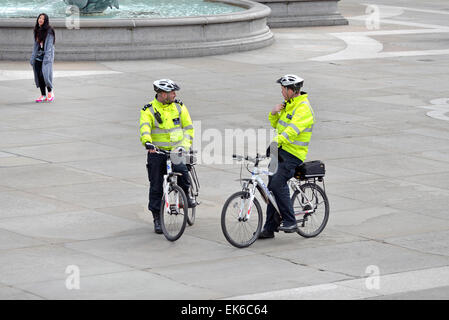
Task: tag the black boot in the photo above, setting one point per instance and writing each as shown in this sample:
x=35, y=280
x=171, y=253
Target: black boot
x=191, y=202
x=266, y=234
x=289, y=228
x=157, y=223
x=157, y=226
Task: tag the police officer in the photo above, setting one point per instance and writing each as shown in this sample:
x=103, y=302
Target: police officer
x=293, y=121
x=166, y=124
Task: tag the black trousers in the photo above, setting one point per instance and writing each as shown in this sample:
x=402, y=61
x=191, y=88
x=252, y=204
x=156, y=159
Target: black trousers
x=277, y=184
x=157, y=168
x=40, y=76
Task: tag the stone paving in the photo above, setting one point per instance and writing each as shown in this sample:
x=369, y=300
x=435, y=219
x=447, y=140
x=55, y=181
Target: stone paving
x=73, y=183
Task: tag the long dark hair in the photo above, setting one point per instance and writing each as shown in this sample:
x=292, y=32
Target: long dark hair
x=40, y=33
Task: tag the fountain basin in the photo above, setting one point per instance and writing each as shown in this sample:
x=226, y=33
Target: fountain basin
x=127, y=9
x=127, y=39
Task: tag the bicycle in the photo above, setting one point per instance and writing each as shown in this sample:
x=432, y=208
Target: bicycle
x=191, y=161
x=309, y=200
x=174, y=206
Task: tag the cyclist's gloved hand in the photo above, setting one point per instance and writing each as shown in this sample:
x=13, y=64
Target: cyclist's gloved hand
x=180, y=150
x=149, y=146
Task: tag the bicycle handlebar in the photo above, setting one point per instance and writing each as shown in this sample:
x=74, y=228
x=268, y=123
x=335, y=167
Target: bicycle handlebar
x=150, y=146
x=248, y=158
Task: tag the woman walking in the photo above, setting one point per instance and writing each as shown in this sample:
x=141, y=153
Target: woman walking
x=43, y=56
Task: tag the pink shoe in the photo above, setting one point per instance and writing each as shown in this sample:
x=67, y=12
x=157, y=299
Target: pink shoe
x=50, y=97
x=41, y=99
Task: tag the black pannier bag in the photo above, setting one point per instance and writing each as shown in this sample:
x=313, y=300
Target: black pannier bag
x=310, y=169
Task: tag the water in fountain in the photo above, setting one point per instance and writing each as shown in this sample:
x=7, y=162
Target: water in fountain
x=128, y=9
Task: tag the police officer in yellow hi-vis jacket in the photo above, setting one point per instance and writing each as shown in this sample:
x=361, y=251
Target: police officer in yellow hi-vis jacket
x=293, y=121
x=165, y=123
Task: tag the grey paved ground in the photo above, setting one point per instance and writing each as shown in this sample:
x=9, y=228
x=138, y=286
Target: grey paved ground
x=73, y=184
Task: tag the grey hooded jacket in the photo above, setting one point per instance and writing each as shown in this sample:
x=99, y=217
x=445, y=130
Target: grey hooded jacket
x=47, y=64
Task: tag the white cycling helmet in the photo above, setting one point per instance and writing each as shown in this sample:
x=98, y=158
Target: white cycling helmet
x=166, y=85
x=291, y=80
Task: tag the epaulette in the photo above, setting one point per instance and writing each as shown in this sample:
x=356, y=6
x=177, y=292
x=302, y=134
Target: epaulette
x=146, y=107
x=179, y=102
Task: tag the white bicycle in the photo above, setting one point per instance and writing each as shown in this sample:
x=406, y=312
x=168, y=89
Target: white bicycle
x=241, y=223
x=174, y=206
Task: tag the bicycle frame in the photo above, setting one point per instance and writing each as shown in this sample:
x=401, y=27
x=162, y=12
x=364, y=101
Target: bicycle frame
x=168, y=181
x=257, y=183
x=294, y=184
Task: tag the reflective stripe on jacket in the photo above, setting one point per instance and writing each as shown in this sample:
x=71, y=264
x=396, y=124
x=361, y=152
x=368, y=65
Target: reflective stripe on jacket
x=294, y=126
x=176, y=129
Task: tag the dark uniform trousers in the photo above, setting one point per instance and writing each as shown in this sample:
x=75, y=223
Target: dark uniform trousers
x=277, y=184
x=157, y=168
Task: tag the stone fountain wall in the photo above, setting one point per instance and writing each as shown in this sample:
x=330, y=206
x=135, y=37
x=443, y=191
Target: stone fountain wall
x=303, y=13
x=128, y=39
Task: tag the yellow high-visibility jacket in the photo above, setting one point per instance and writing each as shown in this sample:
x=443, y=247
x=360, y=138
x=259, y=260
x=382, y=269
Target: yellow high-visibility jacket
x=294, y=126
x=176, y=129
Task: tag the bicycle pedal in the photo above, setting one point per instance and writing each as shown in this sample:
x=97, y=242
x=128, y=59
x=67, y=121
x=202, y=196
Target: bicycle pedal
x=173, y=209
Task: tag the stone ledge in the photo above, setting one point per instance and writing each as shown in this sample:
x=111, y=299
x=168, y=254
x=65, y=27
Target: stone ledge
x=303, y=13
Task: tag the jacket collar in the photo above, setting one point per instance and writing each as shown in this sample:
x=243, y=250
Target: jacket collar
x=159, y=105
x=293, y=102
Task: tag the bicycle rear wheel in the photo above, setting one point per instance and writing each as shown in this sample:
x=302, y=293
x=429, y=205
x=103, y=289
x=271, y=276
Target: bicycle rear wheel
x=314, y=198
x=237, y=229
x=174, y=213
x=193, y=195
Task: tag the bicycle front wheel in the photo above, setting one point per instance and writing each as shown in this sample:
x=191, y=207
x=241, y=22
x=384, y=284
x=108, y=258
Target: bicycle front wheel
x=237, y=228
x=311, y=210
x=173, y=214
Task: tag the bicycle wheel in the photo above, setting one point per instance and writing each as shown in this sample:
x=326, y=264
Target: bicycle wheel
x=310, y=224
x=174, y=213
x=193, y=195
x=240, y=231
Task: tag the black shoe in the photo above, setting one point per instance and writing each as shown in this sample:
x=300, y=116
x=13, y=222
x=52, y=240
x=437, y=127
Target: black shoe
x=266, y=234
x=191, y=202
x=288, y=229
x=157, y=226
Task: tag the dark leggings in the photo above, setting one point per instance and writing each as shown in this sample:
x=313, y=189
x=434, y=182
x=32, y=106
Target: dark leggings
x=277, y=184
x=40, y=76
